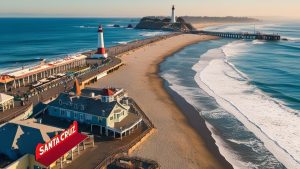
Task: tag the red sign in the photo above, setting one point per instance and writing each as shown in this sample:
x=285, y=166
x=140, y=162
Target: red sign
x=42, y=149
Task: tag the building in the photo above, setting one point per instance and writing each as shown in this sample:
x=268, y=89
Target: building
x=32, y=145
x=107, y=109
x=6, y=102
x=101, y=52
x=173, y=17
x=30, y=75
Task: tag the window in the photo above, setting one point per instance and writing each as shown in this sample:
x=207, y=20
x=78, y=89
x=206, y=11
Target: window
x=88, y=117
x=75, y=106
x=75, y=115
x=60, y=102
x=111, y=118
x=62, y=112
x=99, y=119
x=81, y=117
x=82, y=107
x=68, y=114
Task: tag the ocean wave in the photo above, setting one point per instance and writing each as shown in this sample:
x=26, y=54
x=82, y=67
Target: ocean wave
x=258, y=42
x=260, y=113
x=228, y=154
x=150, y=34
x=86, y=27
x=21, y=61
x=288, y=46
x=291, y=38
x=122, y=42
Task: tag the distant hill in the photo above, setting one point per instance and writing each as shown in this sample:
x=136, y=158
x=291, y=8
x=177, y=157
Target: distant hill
x=164, y=23
x=227, y=19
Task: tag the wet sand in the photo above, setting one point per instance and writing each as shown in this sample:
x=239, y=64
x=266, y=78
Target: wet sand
x=181, y=140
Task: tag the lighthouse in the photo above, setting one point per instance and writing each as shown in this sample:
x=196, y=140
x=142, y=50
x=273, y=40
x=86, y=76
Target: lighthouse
x=173, y=19
x=101, y=49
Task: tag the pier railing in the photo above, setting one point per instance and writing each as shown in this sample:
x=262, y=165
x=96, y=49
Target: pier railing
x=241, y=35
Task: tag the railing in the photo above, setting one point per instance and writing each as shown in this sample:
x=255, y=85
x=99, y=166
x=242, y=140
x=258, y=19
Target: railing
x=15, y=114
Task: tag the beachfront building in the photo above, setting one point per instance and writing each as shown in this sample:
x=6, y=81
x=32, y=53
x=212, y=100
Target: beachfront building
x=27, y=144
x=29, y=75
x=105, y=109
x=6, y=102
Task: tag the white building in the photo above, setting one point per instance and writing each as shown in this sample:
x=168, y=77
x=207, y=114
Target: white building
x=6, y=102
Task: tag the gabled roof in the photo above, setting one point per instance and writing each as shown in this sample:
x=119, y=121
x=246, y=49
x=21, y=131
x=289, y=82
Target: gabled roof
x=90, y=105
x=108, y=92
x=5, y=97
x=17, y=139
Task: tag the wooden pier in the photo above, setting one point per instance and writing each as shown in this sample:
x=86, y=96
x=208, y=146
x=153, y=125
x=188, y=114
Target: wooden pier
x=241, y=35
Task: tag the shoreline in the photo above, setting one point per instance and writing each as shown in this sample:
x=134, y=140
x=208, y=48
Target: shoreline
x=194, y=118
x=176, y=144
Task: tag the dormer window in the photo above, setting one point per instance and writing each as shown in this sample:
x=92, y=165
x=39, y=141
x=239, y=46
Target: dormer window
x=75, y=106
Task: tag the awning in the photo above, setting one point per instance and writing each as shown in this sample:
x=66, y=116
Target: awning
x=58, y=151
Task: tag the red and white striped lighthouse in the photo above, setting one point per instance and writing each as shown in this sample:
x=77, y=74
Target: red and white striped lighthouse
x=101, y=48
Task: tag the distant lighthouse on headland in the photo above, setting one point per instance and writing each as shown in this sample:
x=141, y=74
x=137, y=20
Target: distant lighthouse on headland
x=173, y=17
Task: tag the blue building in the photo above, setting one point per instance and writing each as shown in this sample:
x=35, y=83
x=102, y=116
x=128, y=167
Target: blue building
x=107, y=109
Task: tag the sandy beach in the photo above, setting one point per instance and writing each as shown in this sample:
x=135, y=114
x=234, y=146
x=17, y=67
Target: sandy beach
x=175, y=144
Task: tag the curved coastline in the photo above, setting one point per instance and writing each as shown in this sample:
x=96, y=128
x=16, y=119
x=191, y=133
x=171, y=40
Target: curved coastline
x=198, y=123
x=202, y=78
x=176, y=143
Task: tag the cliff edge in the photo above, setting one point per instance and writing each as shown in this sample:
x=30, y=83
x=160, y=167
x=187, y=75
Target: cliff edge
x=157, y=23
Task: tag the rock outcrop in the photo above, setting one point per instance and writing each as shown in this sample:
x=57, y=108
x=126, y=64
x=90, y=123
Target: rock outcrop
x=156, y=23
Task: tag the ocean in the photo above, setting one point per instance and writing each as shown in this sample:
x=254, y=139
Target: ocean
x=24, y=41
x=248, y=91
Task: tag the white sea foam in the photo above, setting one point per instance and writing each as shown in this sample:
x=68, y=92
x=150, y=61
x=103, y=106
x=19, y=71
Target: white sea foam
x=86, y=27
x=258, y=42
x=270, y=121
x=150, y=34
x=110, y=25
x=230, y=156
x=189, y=94
x=291, y=38
x=122, y=42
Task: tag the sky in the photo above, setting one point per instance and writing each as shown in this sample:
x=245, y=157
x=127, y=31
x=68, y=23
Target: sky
x=139, y=8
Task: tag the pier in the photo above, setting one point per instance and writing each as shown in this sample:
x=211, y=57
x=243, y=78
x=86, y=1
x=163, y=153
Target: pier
x=241, y=35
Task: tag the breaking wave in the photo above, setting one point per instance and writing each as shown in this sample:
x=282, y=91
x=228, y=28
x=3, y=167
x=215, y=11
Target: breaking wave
x=264, y=116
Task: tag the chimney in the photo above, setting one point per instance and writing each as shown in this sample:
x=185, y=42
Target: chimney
x=76, y=88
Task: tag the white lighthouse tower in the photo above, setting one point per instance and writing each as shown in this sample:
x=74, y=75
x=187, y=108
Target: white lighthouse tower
x=101, y=49
x=173, y=19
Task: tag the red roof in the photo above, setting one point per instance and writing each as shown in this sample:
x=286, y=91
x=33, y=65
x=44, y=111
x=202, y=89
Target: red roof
x=109, y=92
x=61, y=149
